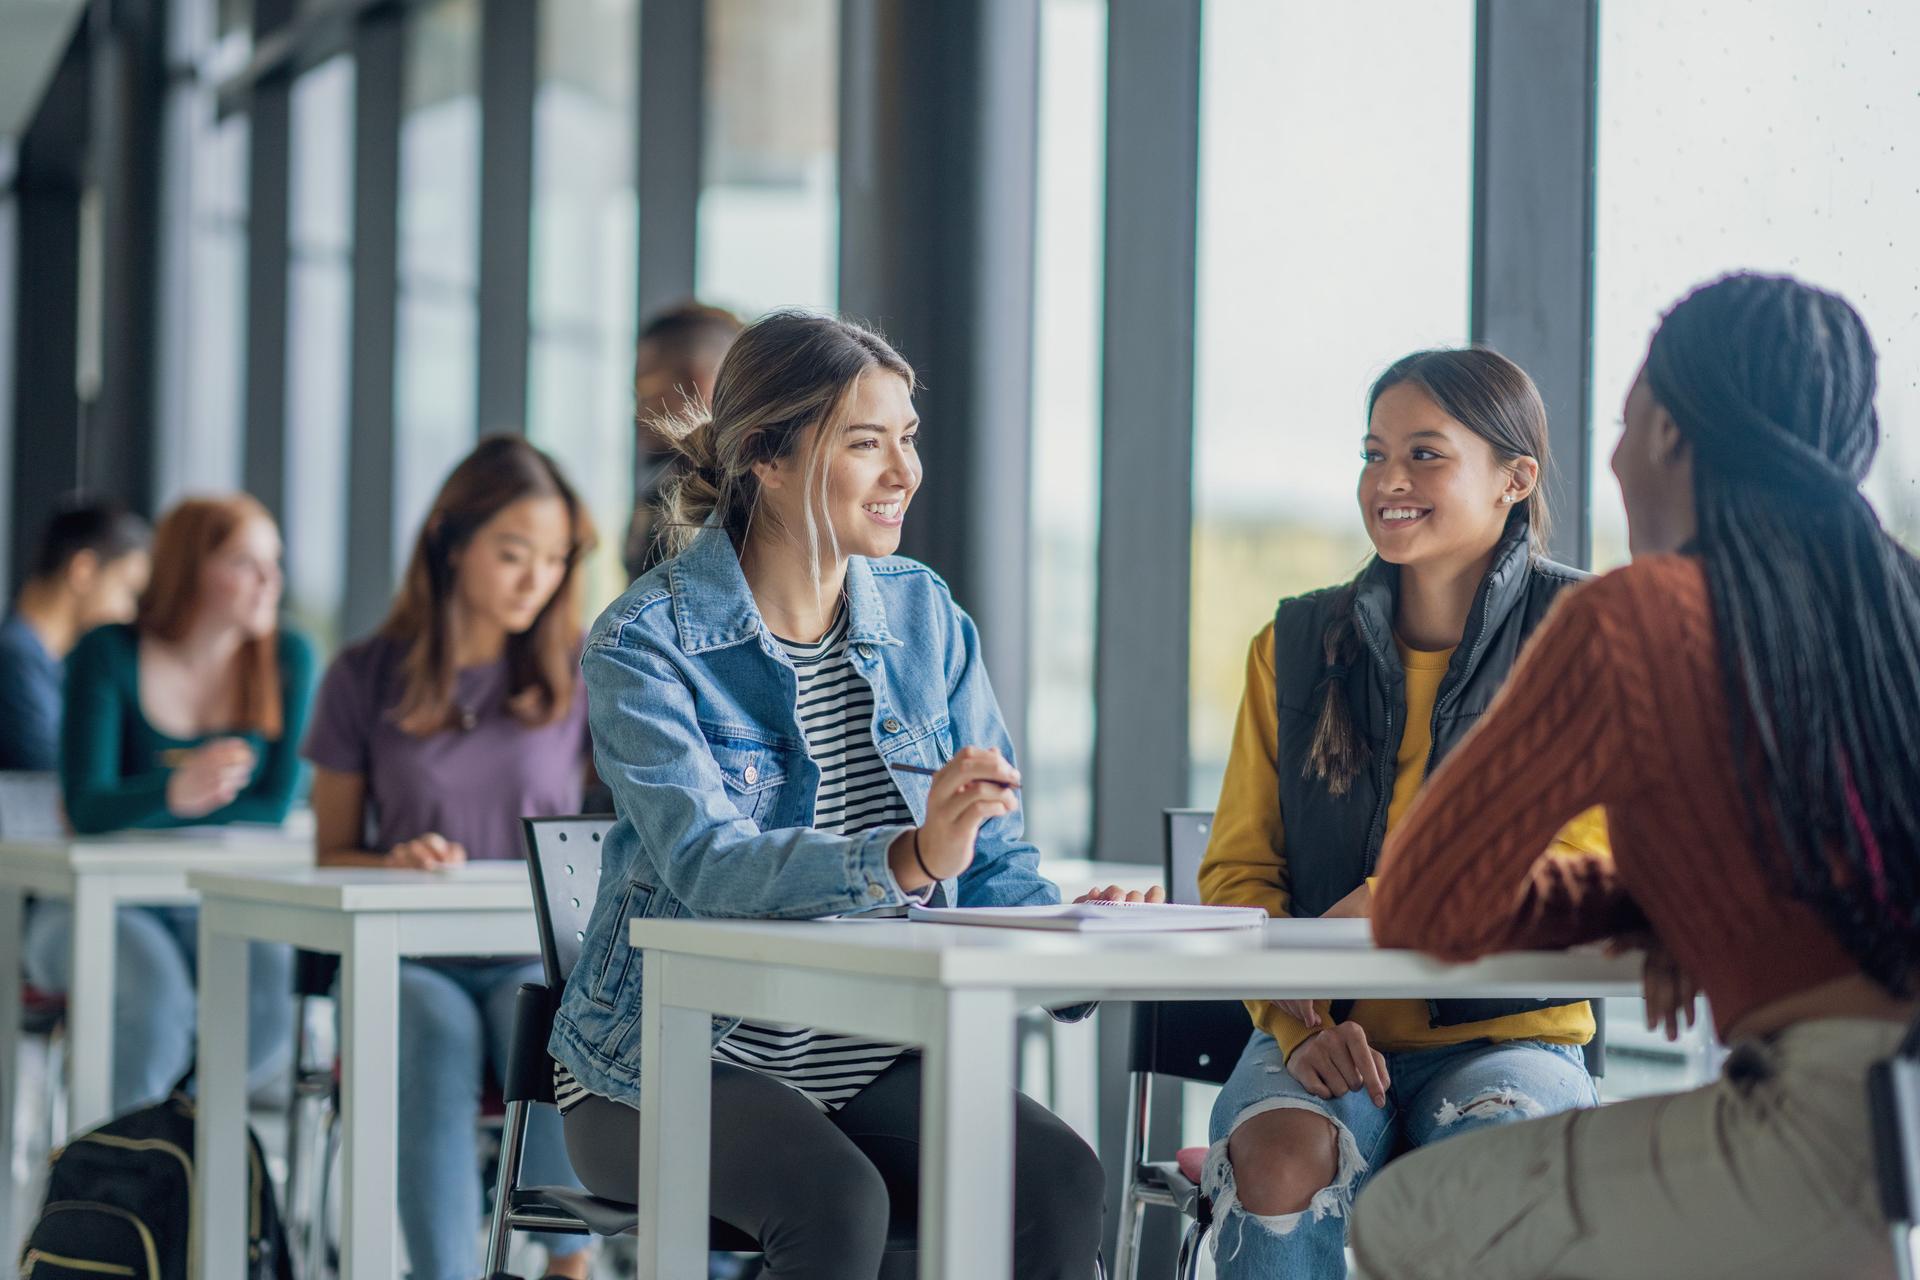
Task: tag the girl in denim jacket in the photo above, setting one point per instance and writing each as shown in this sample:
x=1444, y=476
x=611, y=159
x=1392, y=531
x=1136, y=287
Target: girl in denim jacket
x=750, y=700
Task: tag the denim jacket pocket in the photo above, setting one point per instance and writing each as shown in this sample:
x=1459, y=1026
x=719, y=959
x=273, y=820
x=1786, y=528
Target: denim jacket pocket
x=752, y=772
x=605, y=991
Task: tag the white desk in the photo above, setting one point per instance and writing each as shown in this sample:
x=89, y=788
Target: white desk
x=99, y=875
x=956, y=992
x=370, y=918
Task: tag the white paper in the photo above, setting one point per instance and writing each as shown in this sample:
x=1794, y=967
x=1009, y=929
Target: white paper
x=1098, y=917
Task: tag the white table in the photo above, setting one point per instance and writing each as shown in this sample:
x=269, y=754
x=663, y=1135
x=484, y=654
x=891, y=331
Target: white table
x=956, y=992
x=99, y=875
x=370, y=918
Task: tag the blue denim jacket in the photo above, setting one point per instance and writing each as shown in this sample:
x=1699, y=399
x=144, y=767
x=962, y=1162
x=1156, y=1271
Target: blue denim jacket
x=691, y=702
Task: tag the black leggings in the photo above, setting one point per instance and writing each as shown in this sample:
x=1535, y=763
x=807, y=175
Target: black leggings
x=817, y=1191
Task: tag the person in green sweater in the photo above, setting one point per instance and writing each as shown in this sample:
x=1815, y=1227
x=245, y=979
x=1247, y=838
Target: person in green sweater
x=192, y=714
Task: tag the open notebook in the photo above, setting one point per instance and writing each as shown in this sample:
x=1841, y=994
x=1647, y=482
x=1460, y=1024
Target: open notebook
x=1098, y=917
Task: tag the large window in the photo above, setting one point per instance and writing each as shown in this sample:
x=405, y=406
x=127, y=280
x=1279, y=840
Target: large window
x=203, y=295
x=439, y=274
x=1058, y=759
x=319, y=318
x=769, y=217
x=580, y=396
x=1775, y=136
x=1335, y=209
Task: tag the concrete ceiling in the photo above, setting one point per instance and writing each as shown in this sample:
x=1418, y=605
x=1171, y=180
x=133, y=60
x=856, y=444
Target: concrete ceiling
x=33, y=36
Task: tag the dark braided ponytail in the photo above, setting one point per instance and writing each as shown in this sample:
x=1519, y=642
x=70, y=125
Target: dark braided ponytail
x=1816, y=608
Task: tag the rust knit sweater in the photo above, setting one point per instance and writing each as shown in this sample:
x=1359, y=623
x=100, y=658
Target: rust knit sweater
x=1618, y=701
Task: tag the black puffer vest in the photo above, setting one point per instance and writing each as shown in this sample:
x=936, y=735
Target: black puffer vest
x=1333, y=842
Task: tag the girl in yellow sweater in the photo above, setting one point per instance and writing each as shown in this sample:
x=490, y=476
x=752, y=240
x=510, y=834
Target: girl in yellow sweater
x=1353, y=693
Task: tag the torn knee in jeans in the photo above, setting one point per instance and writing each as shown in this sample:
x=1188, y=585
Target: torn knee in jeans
x=1219, y=1184
x=1502, y=1101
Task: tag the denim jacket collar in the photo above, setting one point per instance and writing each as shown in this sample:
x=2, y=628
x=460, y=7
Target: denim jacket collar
x=713, y=606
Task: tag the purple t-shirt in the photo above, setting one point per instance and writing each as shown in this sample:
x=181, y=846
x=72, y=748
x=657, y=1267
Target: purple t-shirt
x=470, y=785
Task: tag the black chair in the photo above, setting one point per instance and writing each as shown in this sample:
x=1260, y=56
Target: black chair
x=563, y=861
x=1197, y=1040
x=1893, y=1099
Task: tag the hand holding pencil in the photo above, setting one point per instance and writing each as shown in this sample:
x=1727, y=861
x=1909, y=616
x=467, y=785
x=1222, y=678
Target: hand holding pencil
x=974, y=787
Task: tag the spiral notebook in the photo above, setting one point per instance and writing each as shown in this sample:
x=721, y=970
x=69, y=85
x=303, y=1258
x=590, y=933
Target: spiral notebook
x=1098, y=917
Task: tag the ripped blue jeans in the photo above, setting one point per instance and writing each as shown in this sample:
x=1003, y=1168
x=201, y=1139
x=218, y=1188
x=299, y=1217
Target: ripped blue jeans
x=1432, y=1094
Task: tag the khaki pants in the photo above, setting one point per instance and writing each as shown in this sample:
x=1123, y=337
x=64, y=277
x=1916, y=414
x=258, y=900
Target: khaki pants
x=1767, y=1172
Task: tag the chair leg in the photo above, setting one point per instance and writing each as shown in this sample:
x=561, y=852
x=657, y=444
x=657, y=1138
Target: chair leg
x=513, y=1135
x=1906, y=1250
x=317, y=1254
x=1126, y=1257
x=1188, y=1266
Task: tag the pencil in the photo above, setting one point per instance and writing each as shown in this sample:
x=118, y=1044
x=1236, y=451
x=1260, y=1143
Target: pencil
x=922, y=769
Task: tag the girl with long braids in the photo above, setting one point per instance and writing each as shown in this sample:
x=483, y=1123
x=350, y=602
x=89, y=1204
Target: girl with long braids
x=1742, y=699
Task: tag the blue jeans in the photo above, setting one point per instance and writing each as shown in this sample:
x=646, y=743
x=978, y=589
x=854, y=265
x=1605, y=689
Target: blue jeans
x=455, y=1019
x=1433, y=1094
x=155, y=1003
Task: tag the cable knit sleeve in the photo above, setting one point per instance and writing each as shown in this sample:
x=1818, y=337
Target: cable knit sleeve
x=1467, y=871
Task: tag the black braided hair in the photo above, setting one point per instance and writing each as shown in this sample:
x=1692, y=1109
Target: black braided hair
x=1816, y=607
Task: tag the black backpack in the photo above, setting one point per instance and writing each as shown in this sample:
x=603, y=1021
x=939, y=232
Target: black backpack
x=119, y=1202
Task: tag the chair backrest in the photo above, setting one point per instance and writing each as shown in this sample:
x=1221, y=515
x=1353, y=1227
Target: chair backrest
x=1186, y=843
x=1189, y=1039
x=563, y=861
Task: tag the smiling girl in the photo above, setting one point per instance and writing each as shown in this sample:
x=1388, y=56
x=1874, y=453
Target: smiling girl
x=750, y=699
x=1353, y=694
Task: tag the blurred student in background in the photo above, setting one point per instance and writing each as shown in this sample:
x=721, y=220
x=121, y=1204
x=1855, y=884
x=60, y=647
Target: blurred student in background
x=188, y=715
x=90, y=569
x=433, y=737
x=674, y=368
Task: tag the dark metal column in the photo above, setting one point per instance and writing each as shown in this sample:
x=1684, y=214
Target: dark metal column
x=673, y=61
x=937, y=151
x=46, y=302
x=128, y=85
x=380, y=63
x=1533, y=224
x=269, y=148
x=1146, y=501
x=509, y=75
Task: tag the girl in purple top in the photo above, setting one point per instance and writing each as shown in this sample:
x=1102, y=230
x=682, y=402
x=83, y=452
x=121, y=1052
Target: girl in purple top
x=431, y=740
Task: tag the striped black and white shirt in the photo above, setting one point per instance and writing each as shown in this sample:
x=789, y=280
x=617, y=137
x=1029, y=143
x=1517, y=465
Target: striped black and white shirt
x=856, y=794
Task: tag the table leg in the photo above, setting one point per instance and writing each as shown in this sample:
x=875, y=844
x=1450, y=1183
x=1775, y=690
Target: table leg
x=676, y=1100
x=90, y=1007
x=966, y=1139
x=369, y=1099
x=12, y=925
x=220, y=1128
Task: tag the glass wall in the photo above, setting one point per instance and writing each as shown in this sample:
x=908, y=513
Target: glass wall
x=201, y=378
x=585, y=229
x=439, y=265
x=1068, y=259
x=1335, y=221
x=1801, y=158
x=319, y=320
x=769, y=219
